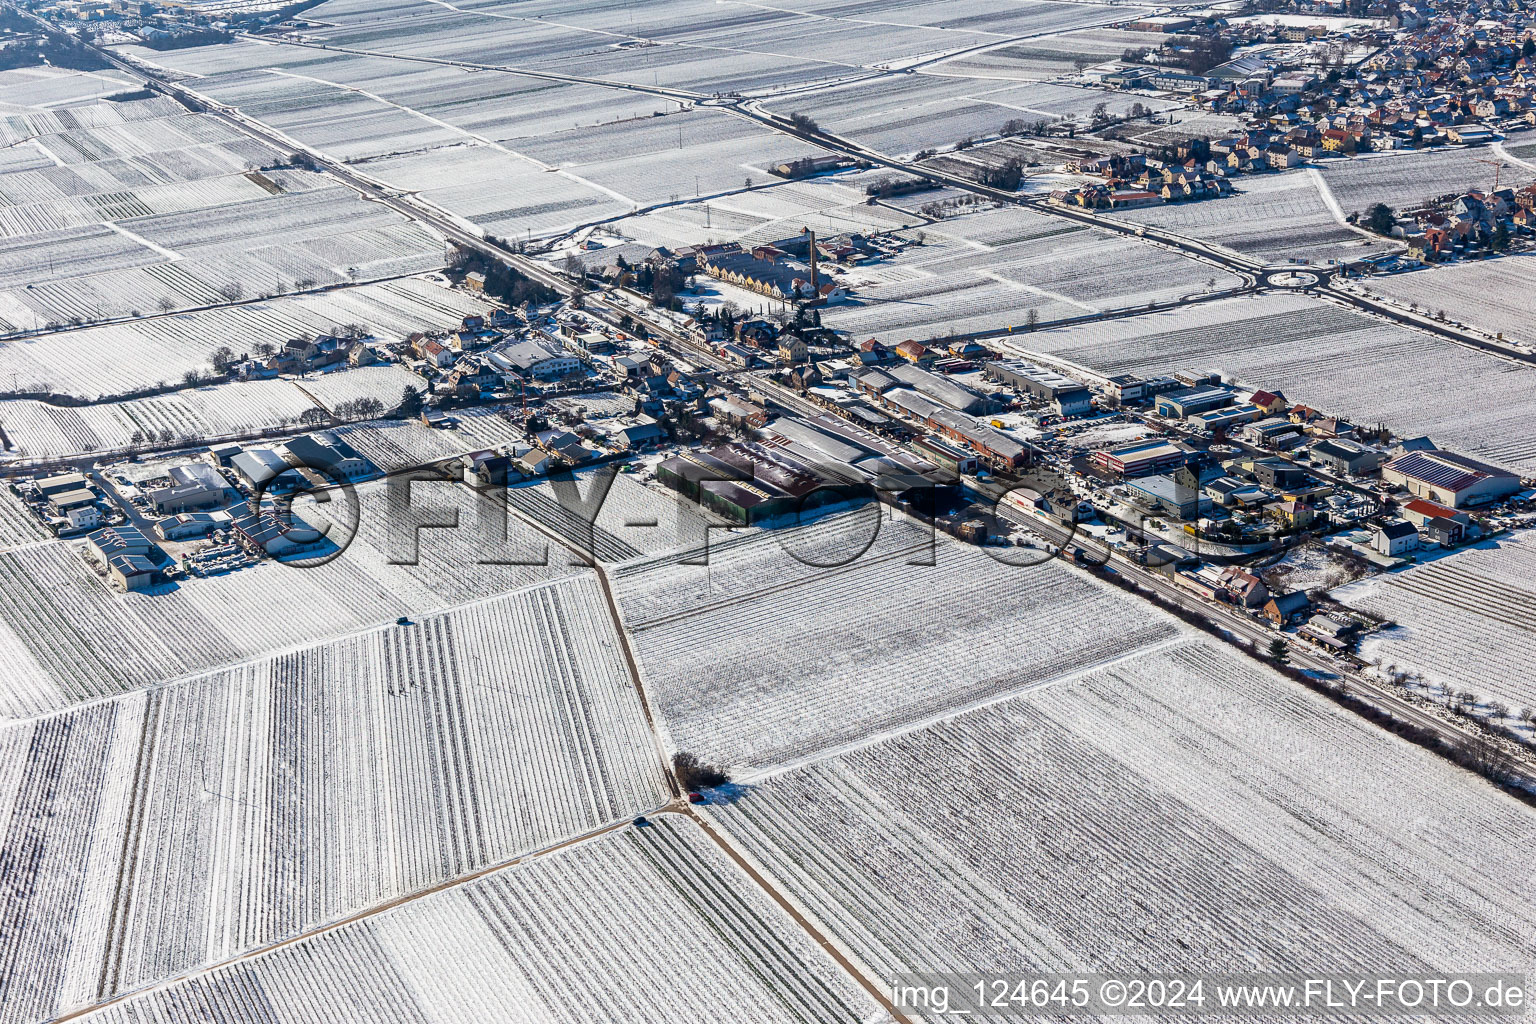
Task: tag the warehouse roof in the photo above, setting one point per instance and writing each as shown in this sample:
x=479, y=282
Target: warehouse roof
x=1445, y=470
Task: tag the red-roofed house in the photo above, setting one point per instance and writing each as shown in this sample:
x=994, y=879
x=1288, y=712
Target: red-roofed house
x=1437, y=521
x=1271, y=402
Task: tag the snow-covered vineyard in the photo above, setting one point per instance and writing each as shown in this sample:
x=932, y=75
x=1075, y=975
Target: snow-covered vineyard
x=114, y=358
x=1254, y=826
x=65, y=637
x=961, y=627
x=617, y=929
x=1494, y=295
x=141, y=205
x=1333, y=359
x=1408, y=179
x=1278, y=218
x=1465, y=622
x=982, y=271
x=186, y=824
x=529, y=735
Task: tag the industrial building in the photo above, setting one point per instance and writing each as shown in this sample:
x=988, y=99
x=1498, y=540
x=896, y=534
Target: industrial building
x=534, y=359
x=1165, y=494
x=994, y=446
x=194, y=486
x=746, y=483
x=1345, y=456
x=1437, y=522
x=938, y=389
x=1452, y=480
x=1067, y=396
x=947, y=456
x=1142, y=458
x=1191, y=401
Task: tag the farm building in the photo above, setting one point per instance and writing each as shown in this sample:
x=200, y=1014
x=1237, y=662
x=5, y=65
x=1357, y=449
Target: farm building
x=1449, y=479
x=131, y=572
x=486, y=468
x=66, y=502
x=258, y=467
x=743, y=482
x=104, y=545
x=327, y=453
x=63, y=483
x=1283, y=609
x=190, y=525
x=264, y=535
x=639, y=435
x=193, y=486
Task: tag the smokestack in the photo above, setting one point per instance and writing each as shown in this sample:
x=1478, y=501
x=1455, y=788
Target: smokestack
x=815, y=282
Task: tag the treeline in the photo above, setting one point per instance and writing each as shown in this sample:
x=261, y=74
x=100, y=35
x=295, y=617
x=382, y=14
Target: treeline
x=189, y=37
x=502, y=281
x=56, y=48
x=884, y=188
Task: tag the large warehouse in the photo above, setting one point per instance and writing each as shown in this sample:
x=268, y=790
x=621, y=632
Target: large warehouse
x=1449, y=479
x=1070, y=397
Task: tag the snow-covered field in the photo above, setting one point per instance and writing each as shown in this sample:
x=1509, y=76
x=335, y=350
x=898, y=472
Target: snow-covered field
x=184, y=825
x=650, y=925
x=114, y=358
x=986, y=270
x=405, y=444
x=900, y=116
x=66, y=637
x=1279, y=218
x=139, y=206
x=1049, y=56
x=1183, y=809
x=1329, y=358
x=1466, y=621
x=39, y=430
x=1494, y=295
x=1411, y=177
x=18, y=525
x=40, y=88
x=789, y=643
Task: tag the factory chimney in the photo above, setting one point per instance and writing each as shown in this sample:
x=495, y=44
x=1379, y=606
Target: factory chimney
x=815, y=281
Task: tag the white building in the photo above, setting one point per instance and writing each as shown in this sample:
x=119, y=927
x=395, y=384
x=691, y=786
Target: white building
x=1394, y=538
x=535, y=359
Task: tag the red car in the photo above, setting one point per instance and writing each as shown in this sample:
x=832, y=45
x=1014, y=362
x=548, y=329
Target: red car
x=697, y=798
